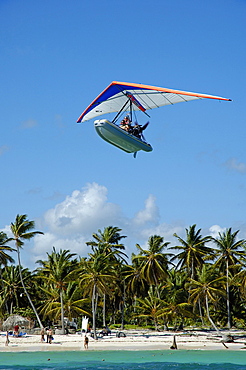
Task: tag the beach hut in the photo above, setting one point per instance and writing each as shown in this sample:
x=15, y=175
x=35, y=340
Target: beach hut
x=16, y=320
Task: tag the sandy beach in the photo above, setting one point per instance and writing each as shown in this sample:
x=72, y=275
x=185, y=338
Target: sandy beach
x=134, y=340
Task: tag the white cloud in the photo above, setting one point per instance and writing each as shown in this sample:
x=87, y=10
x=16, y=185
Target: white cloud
x=82, y=212
x=150, y=214
x=165, y=230
x=70, y=224
x=242, y=228
x=6, y=230
x=233, y=164
x=215, y=230
x=43, y=244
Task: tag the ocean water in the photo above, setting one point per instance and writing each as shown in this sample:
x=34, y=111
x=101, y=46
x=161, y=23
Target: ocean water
x=124, y=360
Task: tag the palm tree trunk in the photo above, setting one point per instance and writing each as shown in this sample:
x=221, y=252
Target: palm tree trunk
x=157, y=287
x=228, y=296
x=93, y=302
x=123, y=307
x=2, y=285
x=211, y=321
x=104, y=310
x=200, y=310
x=62, y=312
x=22, y=282
x=156, y=324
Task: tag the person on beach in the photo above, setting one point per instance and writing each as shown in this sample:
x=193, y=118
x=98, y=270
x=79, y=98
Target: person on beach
x=86, y=342
x=49, y=336
x=42, y=335
x=7, y=339
x=16, y=330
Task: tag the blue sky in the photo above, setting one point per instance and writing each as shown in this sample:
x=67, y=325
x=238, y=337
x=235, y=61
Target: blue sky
x=57, y=56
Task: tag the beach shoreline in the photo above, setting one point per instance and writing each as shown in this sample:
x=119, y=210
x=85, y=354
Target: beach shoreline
x=133, y=341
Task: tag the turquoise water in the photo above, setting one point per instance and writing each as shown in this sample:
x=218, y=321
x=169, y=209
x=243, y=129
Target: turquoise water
x=124, y=360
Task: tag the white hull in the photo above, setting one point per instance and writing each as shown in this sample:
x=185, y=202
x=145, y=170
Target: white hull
x=120, y=138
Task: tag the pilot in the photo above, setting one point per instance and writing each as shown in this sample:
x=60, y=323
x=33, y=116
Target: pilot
x=136, y=131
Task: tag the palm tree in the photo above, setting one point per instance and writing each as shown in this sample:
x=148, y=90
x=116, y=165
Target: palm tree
x=95, y=275
x=194, y=252
x=153, y=262
x=208, y=287
x=176, y=312
x=12, y=287
x=176, y=296
x=108, y=241
x=230, y=254
x=59, y=271
x=118, y=288
x=21, y=230
x=4, y=257
x=239, y=280
x=151, y=307
x=72, y=302
x=136, y=285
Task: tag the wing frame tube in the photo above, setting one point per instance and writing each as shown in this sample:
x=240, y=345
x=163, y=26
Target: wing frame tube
x=117, y=87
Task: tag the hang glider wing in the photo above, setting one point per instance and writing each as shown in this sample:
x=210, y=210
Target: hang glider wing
x=143, y=97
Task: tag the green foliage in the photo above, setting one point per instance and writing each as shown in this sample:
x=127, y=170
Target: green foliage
x=148, y=293
x=194, y=251
x=25, y=312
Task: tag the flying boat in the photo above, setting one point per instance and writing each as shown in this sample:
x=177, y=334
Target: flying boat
x=128, y=98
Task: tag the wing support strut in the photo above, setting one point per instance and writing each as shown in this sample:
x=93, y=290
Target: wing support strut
x=131, y=100
x=117, y=115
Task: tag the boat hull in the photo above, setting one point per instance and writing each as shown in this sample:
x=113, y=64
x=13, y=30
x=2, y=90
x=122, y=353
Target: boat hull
x=120, y=138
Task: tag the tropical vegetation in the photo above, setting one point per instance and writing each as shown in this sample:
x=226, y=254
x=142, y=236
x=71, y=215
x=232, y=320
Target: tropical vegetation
x=199, y=282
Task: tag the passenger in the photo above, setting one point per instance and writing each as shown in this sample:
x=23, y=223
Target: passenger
x=125, y=125
x=122, y=124
x=128, y=124
x=127, y=120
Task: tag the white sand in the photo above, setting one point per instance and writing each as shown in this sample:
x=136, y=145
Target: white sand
x=134, y=340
